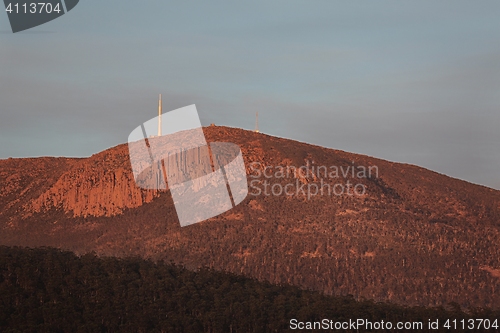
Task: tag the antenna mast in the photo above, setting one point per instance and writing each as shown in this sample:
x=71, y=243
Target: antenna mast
x=159, y=116
x=257, y=122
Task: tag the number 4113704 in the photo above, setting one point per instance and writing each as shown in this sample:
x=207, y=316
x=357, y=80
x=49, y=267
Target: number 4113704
x=33, y=8
x=472, y=324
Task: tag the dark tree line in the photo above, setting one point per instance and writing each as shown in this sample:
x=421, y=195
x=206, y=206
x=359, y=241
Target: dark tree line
x=48, y=290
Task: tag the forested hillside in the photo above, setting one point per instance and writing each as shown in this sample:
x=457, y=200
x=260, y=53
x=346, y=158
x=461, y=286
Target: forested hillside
x=48, y=290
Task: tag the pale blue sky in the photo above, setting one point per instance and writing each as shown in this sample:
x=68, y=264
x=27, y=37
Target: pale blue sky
x=415, y=82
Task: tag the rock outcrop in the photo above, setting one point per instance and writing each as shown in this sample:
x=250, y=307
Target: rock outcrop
x=102, y=185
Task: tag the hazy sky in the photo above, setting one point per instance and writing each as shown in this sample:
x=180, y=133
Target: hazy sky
x=408, y=81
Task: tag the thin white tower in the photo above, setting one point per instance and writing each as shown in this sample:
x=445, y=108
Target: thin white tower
x=257, y=122
x=159, y=116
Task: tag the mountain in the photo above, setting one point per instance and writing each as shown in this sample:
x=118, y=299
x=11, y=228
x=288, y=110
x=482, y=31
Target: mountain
x=400, y=233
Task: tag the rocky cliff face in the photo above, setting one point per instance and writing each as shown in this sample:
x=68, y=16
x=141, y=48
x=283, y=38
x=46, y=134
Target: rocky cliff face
x=102, y=185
